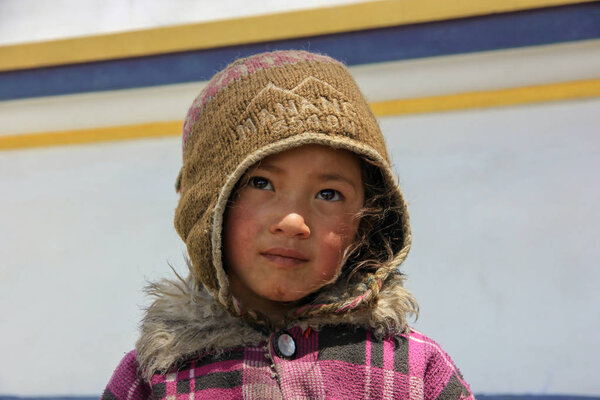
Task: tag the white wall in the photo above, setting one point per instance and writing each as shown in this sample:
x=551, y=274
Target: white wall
x=35, y=20
x=83, y=227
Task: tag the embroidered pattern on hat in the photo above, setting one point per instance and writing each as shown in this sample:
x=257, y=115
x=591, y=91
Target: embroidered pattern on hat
x=239, y=69
x=312, y=106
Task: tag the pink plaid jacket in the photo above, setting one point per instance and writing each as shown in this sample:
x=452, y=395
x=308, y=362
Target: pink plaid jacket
x=337, y=362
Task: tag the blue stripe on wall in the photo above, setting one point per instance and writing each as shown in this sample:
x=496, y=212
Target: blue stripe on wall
x=478, y=396
x=526, y=28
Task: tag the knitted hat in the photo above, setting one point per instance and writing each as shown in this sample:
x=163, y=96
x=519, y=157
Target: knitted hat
x=255, y=107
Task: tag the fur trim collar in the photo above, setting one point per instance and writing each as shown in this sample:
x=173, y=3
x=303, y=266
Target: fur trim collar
x=185, y=321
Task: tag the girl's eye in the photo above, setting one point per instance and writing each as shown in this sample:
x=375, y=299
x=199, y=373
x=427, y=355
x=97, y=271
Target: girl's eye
x=258, y=182
x=329, y=195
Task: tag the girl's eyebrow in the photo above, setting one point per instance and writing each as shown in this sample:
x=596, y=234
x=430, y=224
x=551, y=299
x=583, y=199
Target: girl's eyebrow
x=336, y=177
x=268, y=167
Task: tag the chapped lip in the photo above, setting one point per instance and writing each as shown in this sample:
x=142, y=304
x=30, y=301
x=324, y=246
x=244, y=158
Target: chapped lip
x=287, y=253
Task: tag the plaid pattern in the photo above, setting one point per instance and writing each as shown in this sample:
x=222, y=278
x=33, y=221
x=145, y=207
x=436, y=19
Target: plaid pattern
x=335, y=363
x=126, y=382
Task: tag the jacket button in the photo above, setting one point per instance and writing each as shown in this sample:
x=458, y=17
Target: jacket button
x=284, y=345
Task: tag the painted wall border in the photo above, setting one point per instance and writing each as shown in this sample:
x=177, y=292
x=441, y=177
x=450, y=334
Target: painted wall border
x=550, y=25
x=473, y=100
x=263, y=28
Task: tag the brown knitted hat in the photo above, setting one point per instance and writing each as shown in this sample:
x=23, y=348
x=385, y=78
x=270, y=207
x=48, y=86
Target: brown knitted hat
x=255, y=107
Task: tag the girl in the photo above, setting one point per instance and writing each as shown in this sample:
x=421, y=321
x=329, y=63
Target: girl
x=295, y=229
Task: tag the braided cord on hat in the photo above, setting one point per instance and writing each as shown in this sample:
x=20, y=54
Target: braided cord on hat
x=346, y=306
x=374, y=284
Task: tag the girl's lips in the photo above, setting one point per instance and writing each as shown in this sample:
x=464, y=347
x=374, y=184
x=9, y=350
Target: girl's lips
x=286, y=257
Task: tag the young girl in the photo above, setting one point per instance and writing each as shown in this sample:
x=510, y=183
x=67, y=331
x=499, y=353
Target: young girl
x=295, y=229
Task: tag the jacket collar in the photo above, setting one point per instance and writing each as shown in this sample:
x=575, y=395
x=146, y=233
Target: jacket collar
x=185, y=321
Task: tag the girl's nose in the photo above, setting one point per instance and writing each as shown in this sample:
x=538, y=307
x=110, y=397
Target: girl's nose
x=292, y=225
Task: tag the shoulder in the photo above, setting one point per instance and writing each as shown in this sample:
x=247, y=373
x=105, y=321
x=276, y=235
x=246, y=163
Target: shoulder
x=416, y=362
x=428, y=362
x=127, y=381
x=422, y=347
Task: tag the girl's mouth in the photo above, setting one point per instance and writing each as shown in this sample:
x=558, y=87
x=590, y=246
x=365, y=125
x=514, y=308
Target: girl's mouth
x=286, y=257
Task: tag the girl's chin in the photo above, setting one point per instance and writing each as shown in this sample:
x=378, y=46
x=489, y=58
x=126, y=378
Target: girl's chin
x=290, y=301
x=286, y=301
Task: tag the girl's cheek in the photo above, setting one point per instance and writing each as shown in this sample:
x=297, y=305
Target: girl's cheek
x=346, y=225
x=342, y=216
x=331, y=253
x=243, y=223
x=332, y=209
x=335, y=244
x=251, y=218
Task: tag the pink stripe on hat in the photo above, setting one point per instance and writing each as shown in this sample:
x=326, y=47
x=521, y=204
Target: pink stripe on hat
x=239, y=69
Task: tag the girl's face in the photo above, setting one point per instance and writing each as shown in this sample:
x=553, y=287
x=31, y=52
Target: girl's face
x=289, y=223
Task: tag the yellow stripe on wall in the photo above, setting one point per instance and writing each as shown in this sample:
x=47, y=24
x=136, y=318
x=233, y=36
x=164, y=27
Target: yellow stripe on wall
x=474, y=100
x=492, y=98
x=107, y=134
x=264, y=28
